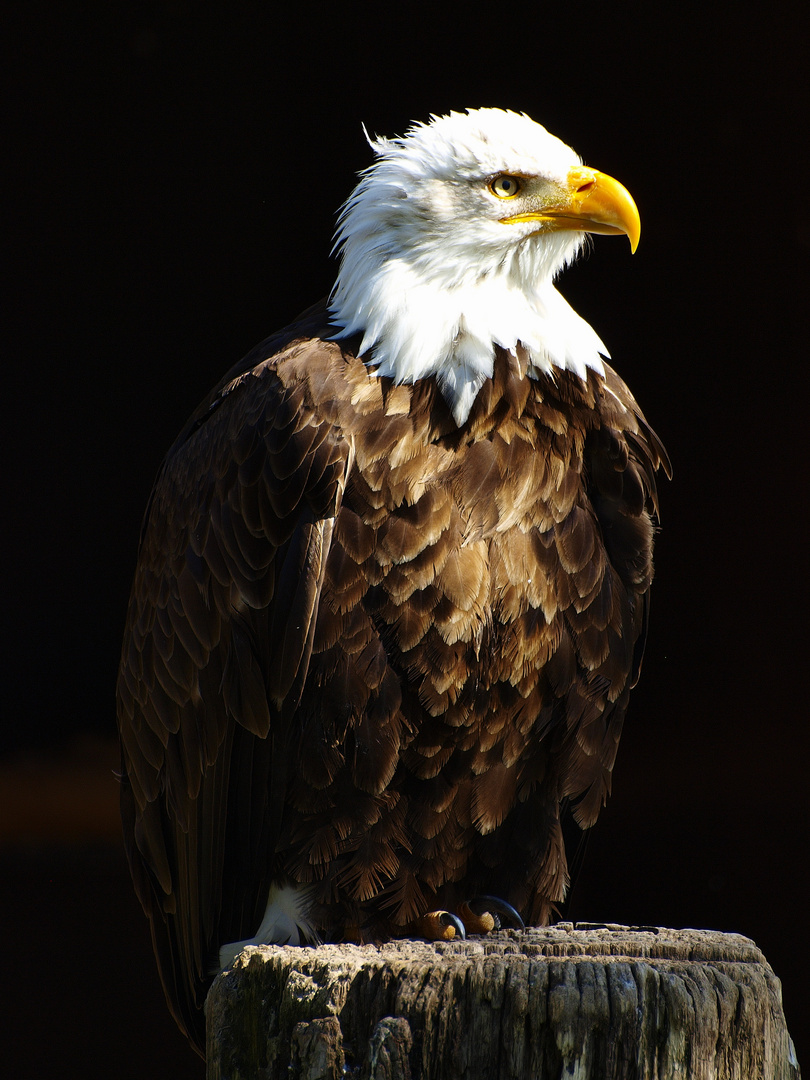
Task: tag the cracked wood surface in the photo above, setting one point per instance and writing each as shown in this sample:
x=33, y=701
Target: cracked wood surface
x=575, y=1001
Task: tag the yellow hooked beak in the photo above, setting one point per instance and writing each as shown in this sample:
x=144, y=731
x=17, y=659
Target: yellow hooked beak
x=592, y=202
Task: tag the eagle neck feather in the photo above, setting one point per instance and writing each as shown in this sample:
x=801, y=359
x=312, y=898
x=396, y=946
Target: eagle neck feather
x=417, y=321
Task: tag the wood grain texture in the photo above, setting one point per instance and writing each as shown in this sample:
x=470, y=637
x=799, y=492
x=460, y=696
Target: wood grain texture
x=606, y=1002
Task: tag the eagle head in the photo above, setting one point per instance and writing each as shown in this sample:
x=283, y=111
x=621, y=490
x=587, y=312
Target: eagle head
x=450, y=244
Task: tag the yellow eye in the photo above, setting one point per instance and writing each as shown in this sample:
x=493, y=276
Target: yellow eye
x=505, y=187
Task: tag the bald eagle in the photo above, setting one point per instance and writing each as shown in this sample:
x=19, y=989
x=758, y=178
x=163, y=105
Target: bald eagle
x=392, y=586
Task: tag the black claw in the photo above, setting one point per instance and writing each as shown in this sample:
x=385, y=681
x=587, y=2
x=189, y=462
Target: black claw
x=497, y=907
x=447, y=918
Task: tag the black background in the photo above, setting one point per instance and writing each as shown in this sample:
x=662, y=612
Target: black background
x=174, y=171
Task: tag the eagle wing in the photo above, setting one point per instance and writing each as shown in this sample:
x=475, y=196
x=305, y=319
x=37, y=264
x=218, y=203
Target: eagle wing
x=216, y=650
x=621, y=458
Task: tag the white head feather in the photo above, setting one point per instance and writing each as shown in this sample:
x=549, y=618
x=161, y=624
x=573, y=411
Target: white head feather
x=431, y=276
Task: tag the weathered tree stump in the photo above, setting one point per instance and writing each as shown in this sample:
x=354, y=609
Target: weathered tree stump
x=584, y=1001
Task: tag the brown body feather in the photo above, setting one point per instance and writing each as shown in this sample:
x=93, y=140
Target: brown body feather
x=373, y=652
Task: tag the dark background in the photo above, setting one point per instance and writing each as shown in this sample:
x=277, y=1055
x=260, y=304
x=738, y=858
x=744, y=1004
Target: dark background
x=174, y=173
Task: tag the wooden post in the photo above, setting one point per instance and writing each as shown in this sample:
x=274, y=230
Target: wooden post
x=580, y=1001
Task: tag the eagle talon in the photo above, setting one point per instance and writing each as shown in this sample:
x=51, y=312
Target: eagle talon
x=483, y=914
x=439, y=926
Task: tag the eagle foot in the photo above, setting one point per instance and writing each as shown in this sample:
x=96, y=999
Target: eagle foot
x=483, y=914
x=439, y=926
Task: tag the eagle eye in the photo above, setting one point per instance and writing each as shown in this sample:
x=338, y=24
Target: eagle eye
x=505, y=187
